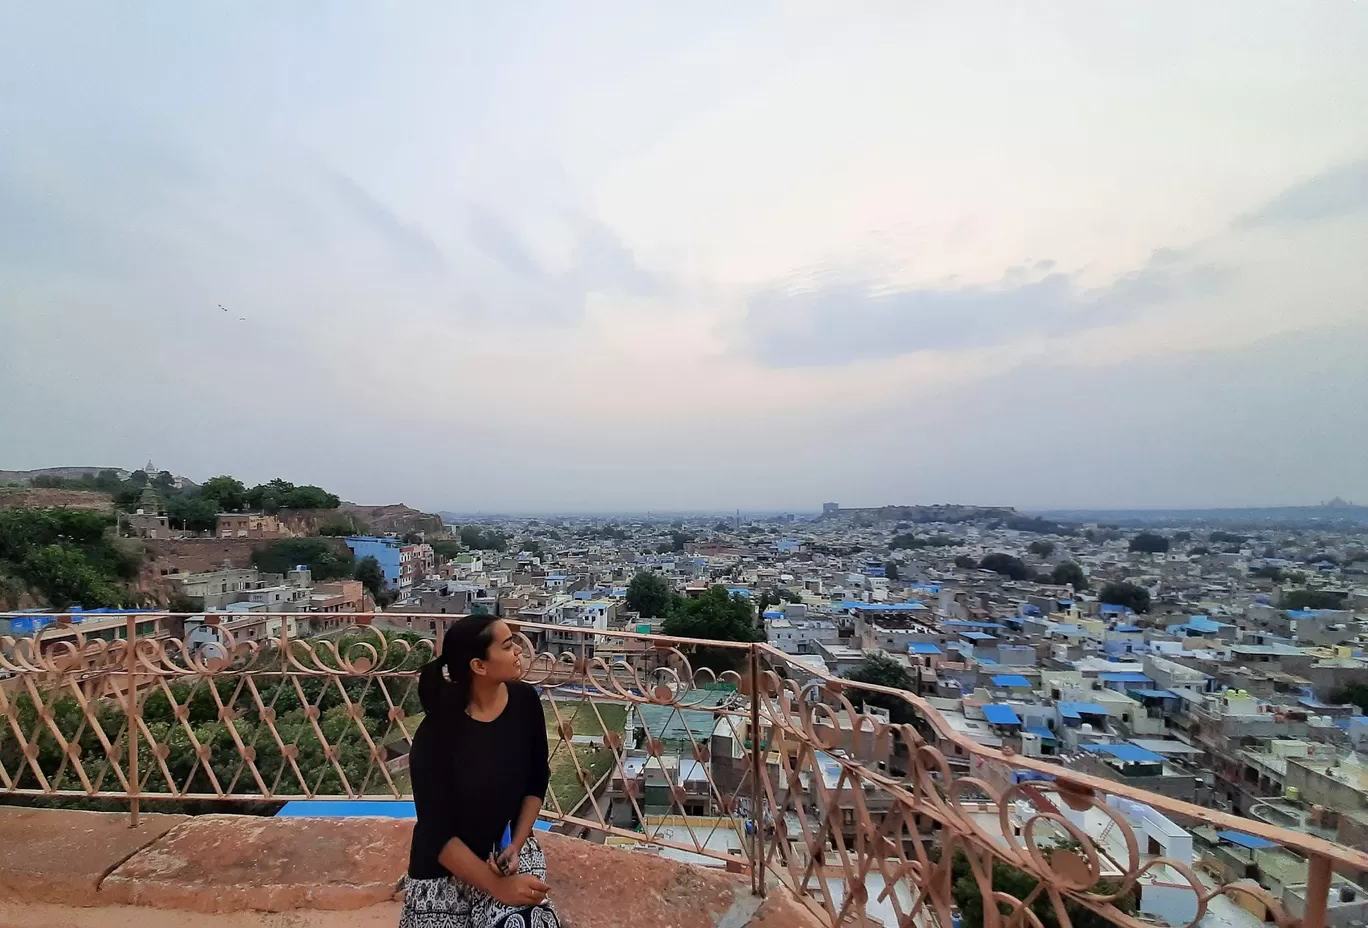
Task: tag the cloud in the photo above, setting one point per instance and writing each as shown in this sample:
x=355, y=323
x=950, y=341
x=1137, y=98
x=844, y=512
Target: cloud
x=842, y=320
x=405, y=239
x=1338, y=192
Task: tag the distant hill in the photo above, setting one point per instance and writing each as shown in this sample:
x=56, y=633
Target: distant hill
x=1289, y=516
x=949, y=512
x=66, y=473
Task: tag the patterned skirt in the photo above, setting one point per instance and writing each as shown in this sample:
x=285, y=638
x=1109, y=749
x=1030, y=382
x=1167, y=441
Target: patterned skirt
x=451, y=903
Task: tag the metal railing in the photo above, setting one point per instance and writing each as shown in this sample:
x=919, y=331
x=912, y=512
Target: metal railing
x=707, y=751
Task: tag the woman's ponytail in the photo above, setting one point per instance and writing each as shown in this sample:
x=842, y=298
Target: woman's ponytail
x=442, y=694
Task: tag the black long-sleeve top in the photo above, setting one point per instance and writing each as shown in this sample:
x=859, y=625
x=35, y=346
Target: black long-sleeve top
x=470, y=777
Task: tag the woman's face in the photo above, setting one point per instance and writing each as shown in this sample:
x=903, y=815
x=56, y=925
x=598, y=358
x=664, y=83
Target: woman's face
x=504, y=660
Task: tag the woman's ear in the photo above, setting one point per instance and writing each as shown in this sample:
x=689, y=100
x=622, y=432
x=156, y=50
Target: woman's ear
x=477, y=667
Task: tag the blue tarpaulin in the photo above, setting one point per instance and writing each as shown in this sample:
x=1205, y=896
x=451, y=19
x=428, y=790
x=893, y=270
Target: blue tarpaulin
x=1042, y=731
x=923, y=647
x=1130, y=753
x=1130, y=677
x=1076, y=709
x=1155, y=694
x=976, y=636
x=1011, y=679
x=1000, y=715
x=1243, y=840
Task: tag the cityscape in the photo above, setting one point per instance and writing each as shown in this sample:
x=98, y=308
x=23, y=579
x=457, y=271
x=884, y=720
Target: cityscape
x=1214, y=660
x=765, y=465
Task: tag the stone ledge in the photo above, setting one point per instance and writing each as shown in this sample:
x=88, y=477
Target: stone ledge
x=236, y=863
x=56, y=854
x=208, y=870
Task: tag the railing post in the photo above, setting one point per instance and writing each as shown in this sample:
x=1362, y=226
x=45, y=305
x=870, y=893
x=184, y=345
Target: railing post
x=131, y=716
x=757, y=770
x=1317, y=891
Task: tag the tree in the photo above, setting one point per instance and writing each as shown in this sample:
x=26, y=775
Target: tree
x=284, y=554
x=447, y=547
x=531, y=546
x=280, y=494
x=1137, y=598
x=965, y=562
x=1199, y=551
x=1219, y=537
x=1067, y=572
x=67, y=578
x=477, y=539
x=1149, y=543
x=227, y=493
x=1041, y=547
x=371, y=575
x=1350, y=693
x=1007, y=565
x=1311, y=599
x=192, y=512
x=1182, y=537
x=722, y=527
x=891, y=570
x=649, y=595
x=138, y=478
x=718, y=616
x=881, y=670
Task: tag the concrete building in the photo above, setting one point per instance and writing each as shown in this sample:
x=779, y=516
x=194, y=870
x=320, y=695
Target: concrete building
x=248, y=525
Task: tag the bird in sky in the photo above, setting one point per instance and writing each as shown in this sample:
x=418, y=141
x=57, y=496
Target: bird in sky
x=222, y=307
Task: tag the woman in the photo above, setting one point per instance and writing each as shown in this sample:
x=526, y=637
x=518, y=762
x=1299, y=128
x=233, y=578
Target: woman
x=479, y=772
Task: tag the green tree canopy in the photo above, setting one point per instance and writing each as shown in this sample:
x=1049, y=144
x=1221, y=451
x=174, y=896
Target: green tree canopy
x=1069, y=572
x=67, y=556
x=447, y=547
x=1149, y=543
x=649, y=595
x=891, y=570
x=910, y=541
x=371, y=575
x=478, y=539
x=1126, y=594
x=1041, y=547
x=1007, y=565
x=1311, y=599
x=225, y=492
x=965, y=562
x=280, y=494
x=716, y=615
x=881, y=670
x=284, y=554
x=193, y=512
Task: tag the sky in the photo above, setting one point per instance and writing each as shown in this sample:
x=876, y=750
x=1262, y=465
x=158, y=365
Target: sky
x=621, y=256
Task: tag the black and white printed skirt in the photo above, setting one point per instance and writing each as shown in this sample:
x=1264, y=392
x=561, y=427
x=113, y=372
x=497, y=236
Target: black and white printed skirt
x=452, y=903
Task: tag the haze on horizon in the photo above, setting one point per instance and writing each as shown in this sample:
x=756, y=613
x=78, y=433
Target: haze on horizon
x=559, y=256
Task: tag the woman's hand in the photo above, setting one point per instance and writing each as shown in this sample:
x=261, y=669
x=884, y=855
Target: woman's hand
x=507, y=861
x=521, y=889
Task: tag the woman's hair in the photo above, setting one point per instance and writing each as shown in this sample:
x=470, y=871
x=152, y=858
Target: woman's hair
x=466, y=640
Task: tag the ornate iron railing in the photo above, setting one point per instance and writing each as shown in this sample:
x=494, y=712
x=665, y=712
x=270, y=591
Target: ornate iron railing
x=890, y=817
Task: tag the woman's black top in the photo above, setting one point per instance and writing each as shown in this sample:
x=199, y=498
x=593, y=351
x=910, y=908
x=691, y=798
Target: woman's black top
x=470, y=777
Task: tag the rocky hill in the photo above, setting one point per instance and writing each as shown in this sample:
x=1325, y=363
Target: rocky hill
x=395, y=518
x=35, y=498
x=23, y=477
